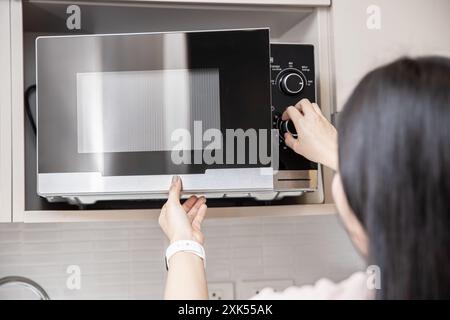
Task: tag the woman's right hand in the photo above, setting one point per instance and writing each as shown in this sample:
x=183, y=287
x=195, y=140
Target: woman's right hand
x=317, y=137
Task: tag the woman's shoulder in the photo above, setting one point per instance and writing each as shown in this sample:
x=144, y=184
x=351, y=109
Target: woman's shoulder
x=354, y=287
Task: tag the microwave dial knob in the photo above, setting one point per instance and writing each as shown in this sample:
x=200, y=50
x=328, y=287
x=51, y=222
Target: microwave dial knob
x=291, y=83
x=287, y=126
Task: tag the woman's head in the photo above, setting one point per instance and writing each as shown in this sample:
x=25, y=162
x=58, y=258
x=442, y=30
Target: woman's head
x=394, y=175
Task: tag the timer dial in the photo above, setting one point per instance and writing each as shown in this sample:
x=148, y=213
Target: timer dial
x=291, y=82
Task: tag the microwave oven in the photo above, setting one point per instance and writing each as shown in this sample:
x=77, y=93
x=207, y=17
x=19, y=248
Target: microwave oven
x=119, y=114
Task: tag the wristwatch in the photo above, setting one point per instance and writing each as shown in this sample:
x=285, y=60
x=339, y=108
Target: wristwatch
x=185, y=246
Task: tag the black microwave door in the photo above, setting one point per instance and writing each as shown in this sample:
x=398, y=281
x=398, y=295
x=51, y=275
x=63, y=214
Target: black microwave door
x=120, y=104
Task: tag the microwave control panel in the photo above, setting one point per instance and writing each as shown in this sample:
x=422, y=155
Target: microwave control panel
x=292, y=79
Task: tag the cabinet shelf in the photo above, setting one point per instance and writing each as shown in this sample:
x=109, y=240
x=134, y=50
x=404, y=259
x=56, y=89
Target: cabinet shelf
x=153, y=214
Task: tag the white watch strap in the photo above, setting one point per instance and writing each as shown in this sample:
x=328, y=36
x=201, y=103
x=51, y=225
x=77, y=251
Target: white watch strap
x=185, y=246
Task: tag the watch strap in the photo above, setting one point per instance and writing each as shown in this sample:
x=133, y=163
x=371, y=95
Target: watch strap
x=185, y=246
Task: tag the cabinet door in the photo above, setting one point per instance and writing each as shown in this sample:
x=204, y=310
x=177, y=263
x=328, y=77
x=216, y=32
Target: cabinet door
x=406, y=28
x=5, y=113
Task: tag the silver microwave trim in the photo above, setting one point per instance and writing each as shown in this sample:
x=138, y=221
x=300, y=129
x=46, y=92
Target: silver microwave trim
x=73, y=184
x=238, y=183
x=154, y=32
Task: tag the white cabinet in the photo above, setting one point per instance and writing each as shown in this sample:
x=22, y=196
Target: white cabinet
x=5, y=113
x=299, y=21
x=406, y=28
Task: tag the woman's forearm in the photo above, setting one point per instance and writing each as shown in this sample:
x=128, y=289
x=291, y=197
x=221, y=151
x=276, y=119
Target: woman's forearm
x=186, y=278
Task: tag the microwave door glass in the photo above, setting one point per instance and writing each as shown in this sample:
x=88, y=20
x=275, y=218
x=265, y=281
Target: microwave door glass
x=145, y=111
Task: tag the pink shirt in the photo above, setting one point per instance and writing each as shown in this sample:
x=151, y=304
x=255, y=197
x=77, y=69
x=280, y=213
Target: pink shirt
x=353, y=288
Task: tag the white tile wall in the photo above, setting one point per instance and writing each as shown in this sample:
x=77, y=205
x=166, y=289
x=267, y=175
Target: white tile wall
x=125, y=260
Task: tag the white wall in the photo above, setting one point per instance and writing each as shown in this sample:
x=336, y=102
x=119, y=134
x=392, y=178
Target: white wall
x=125, y=259
x=408, y=28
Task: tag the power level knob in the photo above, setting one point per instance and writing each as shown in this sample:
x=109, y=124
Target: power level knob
x=291, y=83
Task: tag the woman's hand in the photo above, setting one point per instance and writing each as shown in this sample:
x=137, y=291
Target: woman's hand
x=317, y=138
x=186, y=277
x=182, y=221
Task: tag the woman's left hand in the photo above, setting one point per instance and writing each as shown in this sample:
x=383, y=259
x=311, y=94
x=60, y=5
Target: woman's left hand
x=186, y=277
x=182, y=221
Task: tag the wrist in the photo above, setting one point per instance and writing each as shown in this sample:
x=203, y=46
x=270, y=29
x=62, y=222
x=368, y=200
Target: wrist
x=332, y=161
x=185, y=250
x=332, y=154
x=182, y=236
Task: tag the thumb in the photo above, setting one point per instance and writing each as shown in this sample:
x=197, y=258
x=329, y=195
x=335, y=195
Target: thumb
x=175, y=190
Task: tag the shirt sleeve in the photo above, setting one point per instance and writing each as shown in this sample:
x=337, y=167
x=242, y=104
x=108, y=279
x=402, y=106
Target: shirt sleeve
x=353, y=288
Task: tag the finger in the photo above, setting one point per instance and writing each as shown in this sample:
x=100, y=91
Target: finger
x=187, y=205
x=291, y=113
x=197, y=223
x=290, y=141
x=175, y=190
x=298, y=106
x=285, y=116
x=317, y=108
x=194, y=210
x=305, y=106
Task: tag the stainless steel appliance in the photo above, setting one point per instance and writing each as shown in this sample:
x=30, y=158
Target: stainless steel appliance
x=114, y=110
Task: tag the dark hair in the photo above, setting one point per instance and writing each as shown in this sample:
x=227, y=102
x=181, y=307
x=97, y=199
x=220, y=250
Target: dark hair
x=394, y=160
